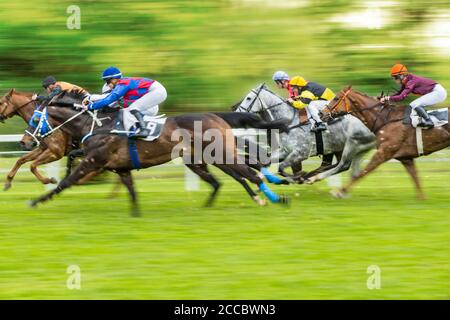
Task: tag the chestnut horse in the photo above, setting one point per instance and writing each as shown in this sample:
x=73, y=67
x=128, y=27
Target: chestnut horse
x=395, y=140
x=51, y=149
x=104, y=151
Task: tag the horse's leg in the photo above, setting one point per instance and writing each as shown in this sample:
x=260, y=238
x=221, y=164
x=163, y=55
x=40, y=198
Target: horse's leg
x=202, y=171
x=244, y=171
x=71, y=157
x=127, y=180
x=411, y=168
x=382, y=155
x=351, y=148
x=292, y=159
x=30, y=156
x=115, y=189
x=356, y=164
x=45, y=157
x=86, y=167
x=230, y=170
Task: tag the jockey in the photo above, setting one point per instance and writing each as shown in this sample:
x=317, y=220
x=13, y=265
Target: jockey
x=141, y=96
x=311, y=95
x=430, y=91
x=54, y=88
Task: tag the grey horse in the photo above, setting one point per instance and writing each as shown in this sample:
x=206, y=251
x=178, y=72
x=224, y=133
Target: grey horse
x=345, y=135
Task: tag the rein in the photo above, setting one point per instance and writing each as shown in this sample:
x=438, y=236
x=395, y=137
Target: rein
x=6, y=116
x=348, y=110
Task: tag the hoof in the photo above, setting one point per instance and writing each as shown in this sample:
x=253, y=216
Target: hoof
x=310, y=180
x=7, y=186
x=53, y=180
x=135, y=213
x=285, y=200
x=32, y=203
x=339, y=194
x=259, y=201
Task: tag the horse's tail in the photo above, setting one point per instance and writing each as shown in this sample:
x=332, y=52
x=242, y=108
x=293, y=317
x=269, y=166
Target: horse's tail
x=251, y=120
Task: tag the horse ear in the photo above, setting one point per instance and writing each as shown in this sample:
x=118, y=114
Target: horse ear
x=12, y=91
x=347, y=88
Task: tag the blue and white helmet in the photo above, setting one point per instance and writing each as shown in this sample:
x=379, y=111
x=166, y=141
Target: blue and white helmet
x=280, y=75
x=111, y=73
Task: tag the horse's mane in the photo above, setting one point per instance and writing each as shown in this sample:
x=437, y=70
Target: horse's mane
x=66, y=99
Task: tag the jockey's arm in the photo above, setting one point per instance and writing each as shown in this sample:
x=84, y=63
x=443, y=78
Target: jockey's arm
x=52, y=94
x=403, y=93
x=118, y=92
x=303, y=99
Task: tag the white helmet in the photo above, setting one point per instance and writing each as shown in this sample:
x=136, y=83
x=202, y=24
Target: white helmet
x=279, y=76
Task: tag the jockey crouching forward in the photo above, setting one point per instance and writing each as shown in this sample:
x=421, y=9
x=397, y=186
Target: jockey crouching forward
x=141, y=96
x=312, y=96
x=430, y=91
x=54, y=87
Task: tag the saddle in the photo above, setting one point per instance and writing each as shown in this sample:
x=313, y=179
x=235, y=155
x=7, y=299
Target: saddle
x=438, y=116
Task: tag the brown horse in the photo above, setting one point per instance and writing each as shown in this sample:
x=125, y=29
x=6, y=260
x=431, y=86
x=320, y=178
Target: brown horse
x=104, y=151
x=51, y=149
x=395, y=140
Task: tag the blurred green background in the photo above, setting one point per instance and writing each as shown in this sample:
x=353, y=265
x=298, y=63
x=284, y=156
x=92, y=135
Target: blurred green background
x=209, y=53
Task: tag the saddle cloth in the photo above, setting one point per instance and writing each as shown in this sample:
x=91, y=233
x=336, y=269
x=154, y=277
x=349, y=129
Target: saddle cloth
x=439, y=117
x=155, y=125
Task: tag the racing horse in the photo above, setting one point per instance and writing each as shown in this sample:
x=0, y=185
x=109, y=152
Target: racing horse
x=105, y=151
x=51, y=149
x=347, y=135
x=395, y=140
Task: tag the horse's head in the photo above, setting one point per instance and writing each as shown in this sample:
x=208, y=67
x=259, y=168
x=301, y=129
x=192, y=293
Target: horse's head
x=38, y=128
x=6, y=107
x=259, y=100
x=13, y=103
x=348, y=101
x=341, y=104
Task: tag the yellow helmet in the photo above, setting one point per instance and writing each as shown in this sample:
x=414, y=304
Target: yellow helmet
x=298, y=81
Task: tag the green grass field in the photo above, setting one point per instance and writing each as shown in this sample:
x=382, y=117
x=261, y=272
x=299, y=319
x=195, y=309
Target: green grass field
x=318, y=248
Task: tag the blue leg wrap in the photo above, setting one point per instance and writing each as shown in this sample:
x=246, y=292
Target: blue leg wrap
x=272, y=196
x=271, y=177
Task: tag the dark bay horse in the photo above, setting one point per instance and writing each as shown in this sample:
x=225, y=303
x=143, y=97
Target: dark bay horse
x=395, y=140
x=104, y=151
x=51, y=149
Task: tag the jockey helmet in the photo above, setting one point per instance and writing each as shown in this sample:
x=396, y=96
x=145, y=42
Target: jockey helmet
x=279, y=76
x=398, y=69
x=298, y=81
x=48, y=81
x=111, y=73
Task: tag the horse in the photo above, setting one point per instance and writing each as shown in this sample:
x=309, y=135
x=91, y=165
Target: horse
x=395, y=140
x=346, y=135
x=51, y=149
x=105, y=151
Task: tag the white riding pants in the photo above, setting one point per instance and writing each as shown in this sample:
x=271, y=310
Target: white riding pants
x=148, y=104
x=314, y=108
x=438, y=95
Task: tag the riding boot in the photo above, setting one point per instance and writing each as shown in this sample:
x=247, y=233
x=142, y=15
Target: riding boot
x=319, y=126
x=143, y=131
x=426, y=120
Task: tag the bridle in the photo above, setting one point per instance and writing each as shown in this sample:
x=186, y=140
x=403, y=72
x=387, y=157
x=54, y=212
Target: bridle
x=14, y=111
x=265, y=108
x=349, y=110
